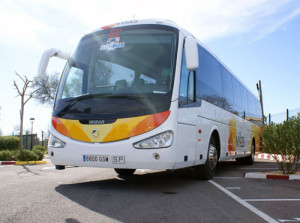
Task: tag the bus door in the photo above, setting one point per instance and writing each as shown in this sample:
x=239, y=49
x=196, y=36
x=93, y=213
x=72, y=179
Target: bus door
x=187, y=118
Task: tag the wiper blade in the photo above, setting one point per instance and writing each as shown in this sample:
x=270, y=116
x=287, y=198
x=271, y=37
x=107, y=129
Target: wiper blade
x=74, y=101
x=87, y=96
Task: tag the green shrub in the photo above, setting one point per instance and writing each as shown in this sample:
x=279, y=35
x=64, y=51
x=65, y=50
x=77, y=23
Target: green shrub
x=40, y=148
x=284, y=139
x=39, y=153
x=9, y=143
x=26, y=155
x=6, y=155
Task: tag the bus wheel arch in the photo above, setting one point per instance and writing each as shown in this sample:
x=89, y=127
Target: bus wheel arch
x=208, y=169
x=253, y=148
x=215, y=135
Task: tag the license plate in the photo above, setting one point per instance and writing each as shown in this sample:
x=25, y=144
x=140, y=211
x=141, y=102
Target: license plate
x=118, y=159
x=96, y=158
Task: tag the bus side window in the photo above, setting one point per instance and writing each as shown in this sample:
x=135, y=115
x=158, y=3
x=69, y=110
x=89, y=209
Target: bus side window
x=191, y=88
x=187, y=85
x=73, y=86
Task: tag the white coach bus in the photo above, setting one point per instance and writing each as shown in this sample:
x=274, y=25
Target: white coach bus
x=145, y=94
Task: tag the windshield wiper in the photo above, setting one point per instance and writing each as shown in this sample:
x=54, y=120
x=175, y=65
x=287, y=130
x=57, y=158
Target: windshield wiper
x=73, y=101
x=105, y=95
x=87, y=96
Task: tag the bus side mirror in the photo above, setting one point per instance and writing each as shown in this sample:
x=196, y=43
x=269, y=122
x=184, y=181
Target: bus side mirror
x=191, y=53
x=46, y=57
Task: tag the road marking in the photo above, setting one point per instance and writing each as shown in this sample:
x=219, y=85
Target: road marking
x=271, y=200
x=6, y=165
x=233, y=188
x=244, y=203
x=289, y=220
x=253, y=168
x=48, y=168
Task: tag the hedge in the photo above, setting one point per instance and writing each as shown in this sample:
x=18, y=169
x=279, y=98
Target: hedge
x=7, y=155
x=27, y=155
x=37, y=153
x=9, y=143
x=284, y=139
x=40, y=148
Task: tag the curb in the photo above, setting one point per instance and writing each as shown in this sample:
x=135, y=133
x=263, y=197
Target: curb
x=268, y=156
x=267, y=176
x=22, y=163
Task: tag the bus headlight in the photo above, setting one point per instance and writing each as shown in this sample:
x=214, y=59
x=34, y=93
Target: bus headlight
x=161, y=140
x=55, y=142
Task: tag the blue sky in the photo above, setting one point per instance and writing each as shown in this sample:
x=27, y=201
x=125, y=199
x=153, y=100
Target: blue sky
x=256, y=39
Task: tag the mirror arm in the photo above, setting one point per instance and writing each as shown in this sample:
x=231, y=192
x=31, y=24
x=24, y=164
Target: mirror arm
x=46, y=57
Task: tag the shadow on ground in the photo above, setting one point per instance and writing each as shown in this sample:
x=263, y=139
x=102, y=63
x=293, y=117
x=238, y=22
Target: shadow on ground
x=151, y=197
x=167, y=196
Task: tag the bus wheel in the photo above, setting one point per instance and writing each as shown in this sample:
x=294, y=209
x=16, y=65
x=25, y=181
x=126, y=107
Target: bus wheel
x=124, y=172
x=207, y=171
x=249, y=160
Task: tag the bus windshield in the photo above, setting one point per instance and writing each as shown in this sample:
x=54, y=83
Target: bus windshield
x=118, y=73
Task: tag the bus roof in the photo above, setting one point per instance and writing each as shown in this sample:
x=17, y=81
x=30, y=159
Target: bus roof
x=140, y=22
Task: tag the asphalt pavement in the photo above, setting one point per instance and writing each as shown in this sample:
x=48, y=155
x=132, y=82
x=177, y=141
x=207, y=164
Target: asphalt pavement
x=39, y=193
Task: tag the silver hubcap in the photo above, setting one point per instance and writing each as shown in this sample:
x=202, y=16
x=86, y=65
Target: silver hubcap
x=212, y=157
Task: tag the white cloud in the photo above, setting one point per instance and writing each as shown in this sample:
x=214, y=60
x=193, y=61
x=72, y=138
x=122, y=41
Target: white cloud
x=18, y=27
x=30, y=20
x=235, y=17
x=54, y=23
x=276, y=23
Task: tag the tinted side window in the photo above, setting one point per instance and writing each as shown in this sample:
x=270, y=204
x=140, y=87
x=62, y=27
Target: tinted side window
x=258, y=111
x=251, y=106
x=209, y=82
x=245, y=109
x=237, y=97
x=187, y=87
x=183, y=91
x=191, y=87
x=227, y=89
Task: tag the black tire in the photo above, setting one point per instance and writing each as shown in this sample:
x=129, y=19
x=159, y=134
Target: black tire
x=248, y=160
x=59, y=167
x=124, y=172
x=207, y=170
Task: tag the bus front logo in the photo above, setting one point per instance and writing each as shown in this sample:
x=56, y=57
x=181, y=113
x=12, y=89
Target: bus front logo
x=95, y=133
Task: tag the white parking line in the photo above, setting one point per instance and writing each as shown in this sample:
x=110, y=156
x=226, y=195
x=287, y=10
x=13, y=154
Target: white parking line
x=289, y=220
x=233, y=188
x=271, y=200
x=48, y=168
x=6, y=166
x=244, y=203
x=253, y=168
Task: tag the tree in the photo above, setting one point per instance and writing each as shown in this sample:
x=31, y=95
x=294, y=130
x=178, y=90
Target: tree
x=24, y=100
x=284, y=139
x=45, y=88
